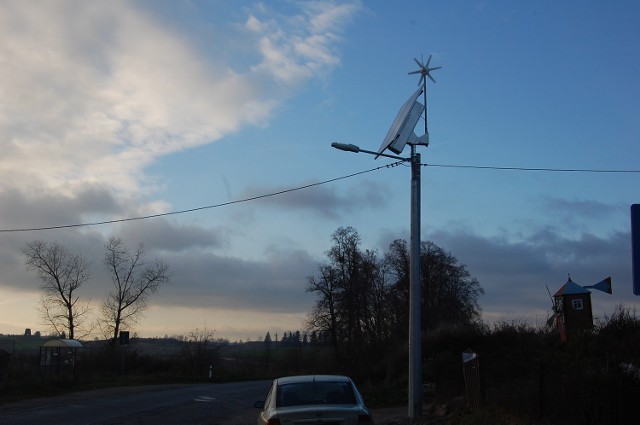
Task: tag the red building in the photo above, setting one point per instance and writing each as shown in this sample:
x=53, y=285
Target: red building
x=572, y=309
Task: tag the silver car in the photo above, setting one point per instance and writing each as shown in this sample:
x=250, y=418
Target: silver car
x=313, y=399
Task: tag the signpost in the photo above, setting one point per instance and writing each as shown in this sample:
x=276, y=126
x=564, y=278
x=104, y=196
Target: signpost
x=635, y=246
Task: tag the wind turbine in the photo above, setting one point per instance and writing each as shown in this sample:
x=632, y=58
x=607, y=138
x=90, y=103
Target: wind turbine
x=425, y=71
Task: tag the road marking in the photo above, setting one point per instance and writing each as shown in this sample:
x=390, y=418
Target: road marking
x=205, y=399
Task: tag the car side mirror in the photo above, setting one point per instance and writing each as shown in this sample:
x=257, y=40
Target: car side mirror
x=259, y=404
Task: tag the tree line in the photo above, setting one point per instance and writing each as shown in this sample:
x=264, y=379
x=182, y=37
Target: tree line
x=294, y=339
x=62, y=274
x=362, y=297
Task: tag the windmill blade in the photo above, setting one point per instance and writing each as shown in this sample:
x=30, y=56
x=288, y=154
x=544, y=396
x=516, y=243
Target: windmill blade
x=428, y=62
x=429, y=72
x=415, y=72
x=604, y=285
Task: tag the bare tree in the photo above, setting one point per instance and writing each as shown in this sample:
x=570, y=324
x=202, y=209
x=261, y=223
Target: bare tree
x=449, y=293
x=61, y=274
x=362, y=299
x=133, y=284
x=325, y=317
x=199, y=350
x=350, y=291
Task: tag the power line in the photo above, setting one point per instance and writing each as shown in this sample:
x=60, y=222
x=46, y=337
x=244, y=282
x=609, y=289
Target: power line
x=239, y=201
x=557, y=170
x=254, y=198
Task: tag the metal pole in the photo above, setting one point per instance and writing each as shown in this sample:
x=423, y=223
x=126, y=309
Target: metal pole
x=415, y=346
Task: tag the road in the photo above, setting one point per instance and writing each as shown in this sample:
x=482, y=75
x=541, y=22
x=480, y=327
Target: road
x=203, y=404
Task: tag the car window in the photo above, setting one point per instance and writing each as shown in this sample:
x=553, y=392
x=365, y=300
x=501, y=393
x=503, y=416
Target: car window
x=305, y=393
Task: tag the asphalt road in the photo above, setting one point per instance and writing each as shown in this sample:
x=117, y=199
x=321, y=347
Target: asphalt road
x=203, y=404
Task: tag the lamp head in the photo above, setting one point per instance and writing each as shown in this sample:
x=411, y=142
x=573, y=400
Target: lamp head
x=345, y=147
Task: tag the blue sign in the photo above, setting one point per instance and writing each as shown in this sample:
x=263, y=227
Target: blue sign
x=635, y=246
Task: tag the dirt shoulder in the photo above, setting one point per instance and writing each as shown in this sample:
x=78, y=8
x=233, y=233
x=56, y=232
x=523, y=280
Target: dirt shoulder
x=390, y=415
x=452, y=411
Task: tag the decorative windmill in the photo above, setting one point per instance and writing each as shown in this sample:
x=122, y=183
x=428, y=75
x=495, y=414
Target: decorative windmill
x=572, y=311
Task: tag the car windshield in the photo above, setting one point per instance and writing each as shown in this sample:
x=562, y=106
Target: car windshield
x=305, y=393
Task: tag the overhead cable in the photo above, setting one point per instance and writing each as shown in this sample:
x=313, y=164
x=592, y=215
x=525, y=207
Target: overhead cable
x=267, y=195
x=557, y=170
x=223, y=204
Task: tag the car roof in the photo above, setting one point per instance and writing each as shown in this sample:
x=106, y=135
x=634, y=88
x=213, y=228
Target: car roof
x=312, y=378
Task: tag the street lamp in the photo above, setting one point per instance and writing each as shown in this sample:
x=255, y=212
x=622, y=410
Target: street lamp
x=356, y=149
x=415, y=345
x=400, y=134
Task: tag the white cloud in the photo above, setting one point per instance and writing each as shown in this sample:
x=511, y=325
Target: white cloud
x=330, y=17
x=94, y=92
x=302, y=46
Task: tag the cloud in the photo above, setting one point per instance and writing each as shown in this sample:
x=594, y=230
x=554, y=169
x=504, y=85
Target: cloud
x=95, y=92
x=44, y=208
x=164, y=236
x=514, y=272
x=202, y=276
x=98, y=97
x=322, y=200
x=298, y=47
x=584, y=207
x=207, y=280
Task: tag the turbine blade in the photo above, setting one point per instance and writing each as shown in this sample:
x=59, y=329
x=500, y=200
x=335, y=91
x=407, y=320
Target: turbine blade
x=415, y=72
x=418, y=62
x=431, y=78
x=428, y=62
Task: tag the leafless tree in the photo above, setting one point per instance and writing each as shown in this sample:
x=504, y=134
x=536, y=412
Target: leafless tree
x=61, y=274
x=325, y=317
x=133, y=281
x=347, y=307
x=362, y=300
x=199, y=351
x=449, y=293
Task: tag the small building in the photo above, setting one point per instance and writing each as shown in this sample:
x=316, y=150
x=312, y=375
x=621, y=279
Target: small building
x=572, y=309
x=59, y=355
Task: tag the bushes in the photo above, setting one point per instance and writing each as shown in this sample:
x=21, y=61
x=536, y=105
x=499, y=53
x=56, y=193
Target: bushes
x=526, y=372
x=22, y=378
x=619, y=335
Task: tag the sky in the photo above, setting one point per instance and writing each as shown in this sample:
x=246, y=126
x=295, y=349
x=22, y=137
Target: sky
x=121, y=109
